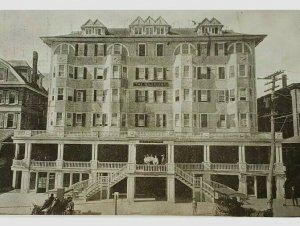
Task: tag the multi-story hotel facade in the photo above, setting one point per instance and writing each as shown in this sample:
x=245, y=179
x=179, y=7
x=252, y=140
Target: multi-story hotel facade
x=184, y=95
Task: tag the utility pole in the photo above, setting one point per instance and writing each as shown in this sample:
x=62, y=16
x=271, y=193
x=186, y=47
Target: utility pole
x=273, y=79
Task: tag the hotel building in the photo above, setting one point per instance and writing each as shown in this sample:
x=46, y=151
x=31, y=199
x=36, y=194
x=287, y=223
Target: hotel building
x=184, y=95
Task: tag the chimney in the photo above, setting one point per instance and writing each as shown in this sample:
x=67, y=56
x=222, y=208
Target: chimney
x=34, y=66
x=284, y=80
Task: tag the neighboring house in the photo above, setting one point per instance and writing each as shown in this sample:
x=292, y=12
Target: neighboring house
x=23, y=103
x=184, y=95
x=287, y=121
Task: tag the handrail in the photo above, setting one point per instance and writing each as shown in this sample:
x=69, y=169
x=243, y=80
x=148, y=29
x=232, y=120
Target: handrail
x=215, y=185
x=190, y=166
x=184, y=175
x=35, y=163
x=150, y=168
x=111, y=165
x=224, y=166
x=73, y=164
x=115, y=175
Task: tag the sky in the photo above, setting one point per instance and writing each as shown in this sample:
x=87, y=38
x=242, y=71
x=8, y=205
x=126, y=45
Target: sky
x=21, y=31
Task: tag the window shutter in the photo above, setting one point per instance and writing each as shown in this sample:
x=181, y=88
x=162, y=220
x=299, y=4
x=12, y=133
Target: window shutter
x=198, y=72
x=225, y=49
x=85, y=49
x=164, y=120
x=75, y=72
x=199, y=95
x=136, y=120
x=95, y=95
x=146, y=73
x=227, y=95
x=165, y=96
x=95, y=73
x=96, y=50
x=136, y=73
x=146, y=95
x=75, y=95
x=208, y=48
x=155, y=73
x=76, y=49
x=84, y=96
x=165, y=73
x=84, y=72
x=6, y=97
x=83, y=119
x=136, y=96
x=104, y=49
x=208, y=72
x=74, y=119
x=15, y=120
x=155, y=96
x=5, y=120
x=146, y=120
x=94, y=119
x=198, y=49
x=216, y=49
x=208, y=95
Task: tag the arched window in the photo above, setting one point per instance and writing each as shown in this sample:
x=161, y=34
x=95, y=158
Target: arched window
x=117, y=49
x=239, y=47
x=185, y=48
x=64, y=48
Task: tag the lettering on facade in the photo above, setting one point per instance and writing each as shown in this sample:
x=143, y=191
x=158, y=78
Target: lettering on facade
x=151, y=84
x=151, y=141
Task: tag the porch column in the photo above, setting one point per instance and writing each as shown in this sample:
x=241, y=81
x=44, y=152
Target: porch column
x=14, y=178
x=130, y=188
x=206, y=157
x=242, y=159
x=171, y=189
x=94, y=161
x=170, y=158
x=131, y=157
x=17, y=150
x=243, y=183
x=25, y=181
x=280, y=192
x=59, y=180
x=60, y=156
x=27, y=156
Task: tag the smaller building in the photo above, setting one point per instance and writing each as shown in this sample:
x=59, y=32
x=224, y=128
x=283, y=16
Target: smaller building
x=23, y=105
x=287, y=121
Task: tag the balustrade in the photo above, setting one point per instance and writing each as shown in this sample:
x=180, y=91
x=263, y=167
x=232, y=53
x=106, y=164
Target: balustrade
x=47, y=164
x=111, y=165
x=224, y=166
x=151, y=168
x=71, y=164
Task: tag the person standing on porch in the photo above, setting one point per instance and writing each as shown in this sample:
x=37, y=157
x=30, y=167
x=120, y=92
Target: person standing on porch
x=163, y=160
x=294, y=197
x=155, y=160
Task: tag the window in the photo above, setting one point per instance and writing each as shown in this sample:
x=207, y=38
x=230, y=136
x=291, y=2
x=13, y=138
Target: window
x=11, y=121
x=231, y=71
x=81, y=95
x=177, y=72
x=114, y=119
x=159, y=73
x=105, y=92
x=149, y=30
x=160, y=30
x=98, y=31
x=116, y=73
x=70, y=94
x=123, y=120
x=98, y=73
x=2, y=74
x=61, y=70
x=2, y=97
x=204, y=121
x=138, y=30
x=243, y=94
x=60, y=93
x=194, y=120
x=232, y=95
x=142, y=50
x=177, y=120
x=186, y=95
x=140, y=120
x=177, y=95
x=203, y=95
x=243, y=120
x=161, y=120
x=141, y=73
x=71, y=72
x=1, y=120
x=160, y=96
x=242, y=71
x=59, y=119
x=202, y=49
x=100, y=50
x=124, y=72
x=221, y=95
x=185, y=48
x=250, y=71
x=203, y=72
x=186, y=120
x=159, y=49
x=221, y=72
x=141, y=96
x=117, y=49
x=239, y=47
x=69, y=119
x=104, y=120
x=186, y=71
x=12, y=97
x=79, y=119
x=115, y=95
x=222, y=121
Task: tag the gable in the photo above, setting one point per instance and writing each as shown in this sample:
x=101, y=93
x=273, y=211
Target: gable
x=10, y=76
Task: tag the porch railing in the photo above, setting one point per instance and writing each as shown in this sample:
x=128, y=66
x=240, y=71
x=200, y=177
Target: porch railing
x=111, y=165
x=17, y=162
x=150, y=168
x=190, y=166
x=257, y=167
x=224, y=166
x=51, y=164
x=72, y=164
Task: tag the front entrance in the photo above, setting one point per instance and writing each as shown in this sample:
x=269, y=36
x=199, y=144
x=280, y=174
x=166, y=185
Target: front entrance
x=152, y=188
x=257, y=186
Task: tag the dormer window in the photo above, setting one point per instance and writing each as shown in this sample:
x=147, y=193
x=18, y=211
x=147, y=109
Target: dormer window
x=98, y=31
x=93, y=28
x=149, y=26
x=138, y=30
x=149, y=30
x=88, y=31
x=160, y=30
x=209, y=27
